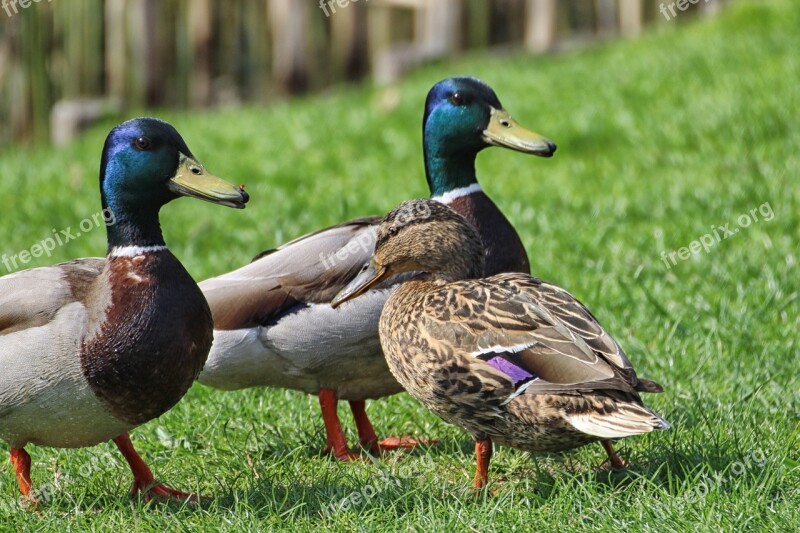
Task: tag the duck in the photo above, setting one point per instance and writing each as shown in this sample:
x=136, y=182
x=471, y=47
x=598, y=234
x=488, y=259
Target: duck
x=509, y=358
x=94, y=347
x=273, y=322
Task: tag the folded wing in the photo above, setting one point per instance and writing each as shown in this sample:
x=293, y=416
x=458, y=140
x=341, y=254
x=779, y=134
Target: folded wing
x=537, y=334
x=31, y=298
x=308, y=270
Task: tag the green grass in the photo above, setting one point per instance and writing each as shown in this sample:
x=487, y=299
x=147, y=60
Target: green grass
x=660, y=139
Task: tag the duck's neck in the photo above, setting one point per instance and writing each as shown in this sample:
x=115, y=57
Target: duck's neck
x=447, y=172
x=504, y=249
x=132, y=228
x=452, y=195
x=452, y=181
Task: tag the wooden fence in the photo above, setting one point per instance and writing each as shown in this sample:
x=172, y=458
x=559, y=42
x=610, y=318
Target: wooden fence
x=219, y=52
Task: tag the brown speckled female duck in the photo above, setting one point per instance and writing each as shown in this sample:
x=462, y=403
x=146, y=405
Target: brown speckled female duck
x=509, y=358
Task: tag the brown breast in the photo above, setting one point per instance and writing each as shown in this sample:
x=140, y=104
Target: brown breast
x=504, y=249
x=148, y=338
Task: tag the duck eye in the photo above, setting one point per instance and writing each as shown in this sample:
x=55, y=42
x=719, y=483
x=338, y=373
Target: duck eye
x=142, y=143
x=458, y=99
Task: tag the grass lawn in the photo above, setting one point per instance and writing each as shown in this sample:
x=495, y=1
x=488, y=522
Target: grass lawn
x=662, y=140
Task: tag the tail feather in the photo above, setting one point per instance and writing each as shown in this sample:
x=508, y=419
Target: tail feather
x=645, y=385
x=628, y=419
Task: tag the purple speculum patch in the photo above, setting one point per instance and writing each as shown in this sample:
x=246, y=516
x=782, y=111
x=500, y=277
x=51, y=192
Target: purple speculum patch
x=510, y=369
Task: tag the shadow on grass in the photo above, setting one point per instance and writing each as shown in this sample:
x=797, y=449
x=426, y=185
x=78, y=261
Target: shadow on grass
x=409, y=481
x=263, y=475
x=298, y=485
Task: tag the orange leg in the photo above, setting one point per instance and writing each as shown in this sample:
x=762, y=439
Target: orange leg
x=143, y=480
x=22, y=468
x=617, y=462
x=366, y=433
x=483, y=455
x=369, y=440
x=334, y=435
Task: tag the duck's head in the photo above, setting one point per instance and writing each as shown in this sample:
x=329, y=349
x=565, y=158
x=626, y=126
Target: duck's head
x=146, y=163
x=420, y=236
x=462, y=117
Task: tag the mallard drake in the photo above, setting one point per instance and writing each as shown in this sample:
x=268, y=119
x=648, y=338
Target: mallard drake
x=92, y=348
x=273, y=323
x=509, y=358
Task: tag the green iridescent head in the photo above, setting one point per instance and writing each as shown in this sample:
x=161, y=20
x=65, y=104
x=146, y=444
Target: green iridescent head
x=146, y=164
x=462, y=117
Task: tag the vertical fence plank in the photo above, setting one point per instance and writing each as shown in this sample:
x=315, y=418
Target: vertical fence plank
x=289, y=61
x=437, y=27
x=630, y=17
x=35, y=68
x=349, y=42
x=15, y=86
x=255, y=62
x=478, y=23
x=379, y=37
x=115, y=49
x=540, y=26
x=159, y=51
x=199, y=44
x=606, y=13
x=93, y=46
x=6, y=101
x=136, y=49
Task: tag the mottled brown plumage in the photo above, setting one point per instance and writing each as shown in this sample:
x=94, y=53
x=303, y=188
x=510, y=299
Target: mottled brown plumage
x=509, y=358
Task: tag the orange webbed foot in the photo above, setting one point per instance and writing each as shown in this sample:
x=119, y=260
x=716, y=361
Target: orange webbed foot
x=143, y=480
x=408, y=443
x=153, y=490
